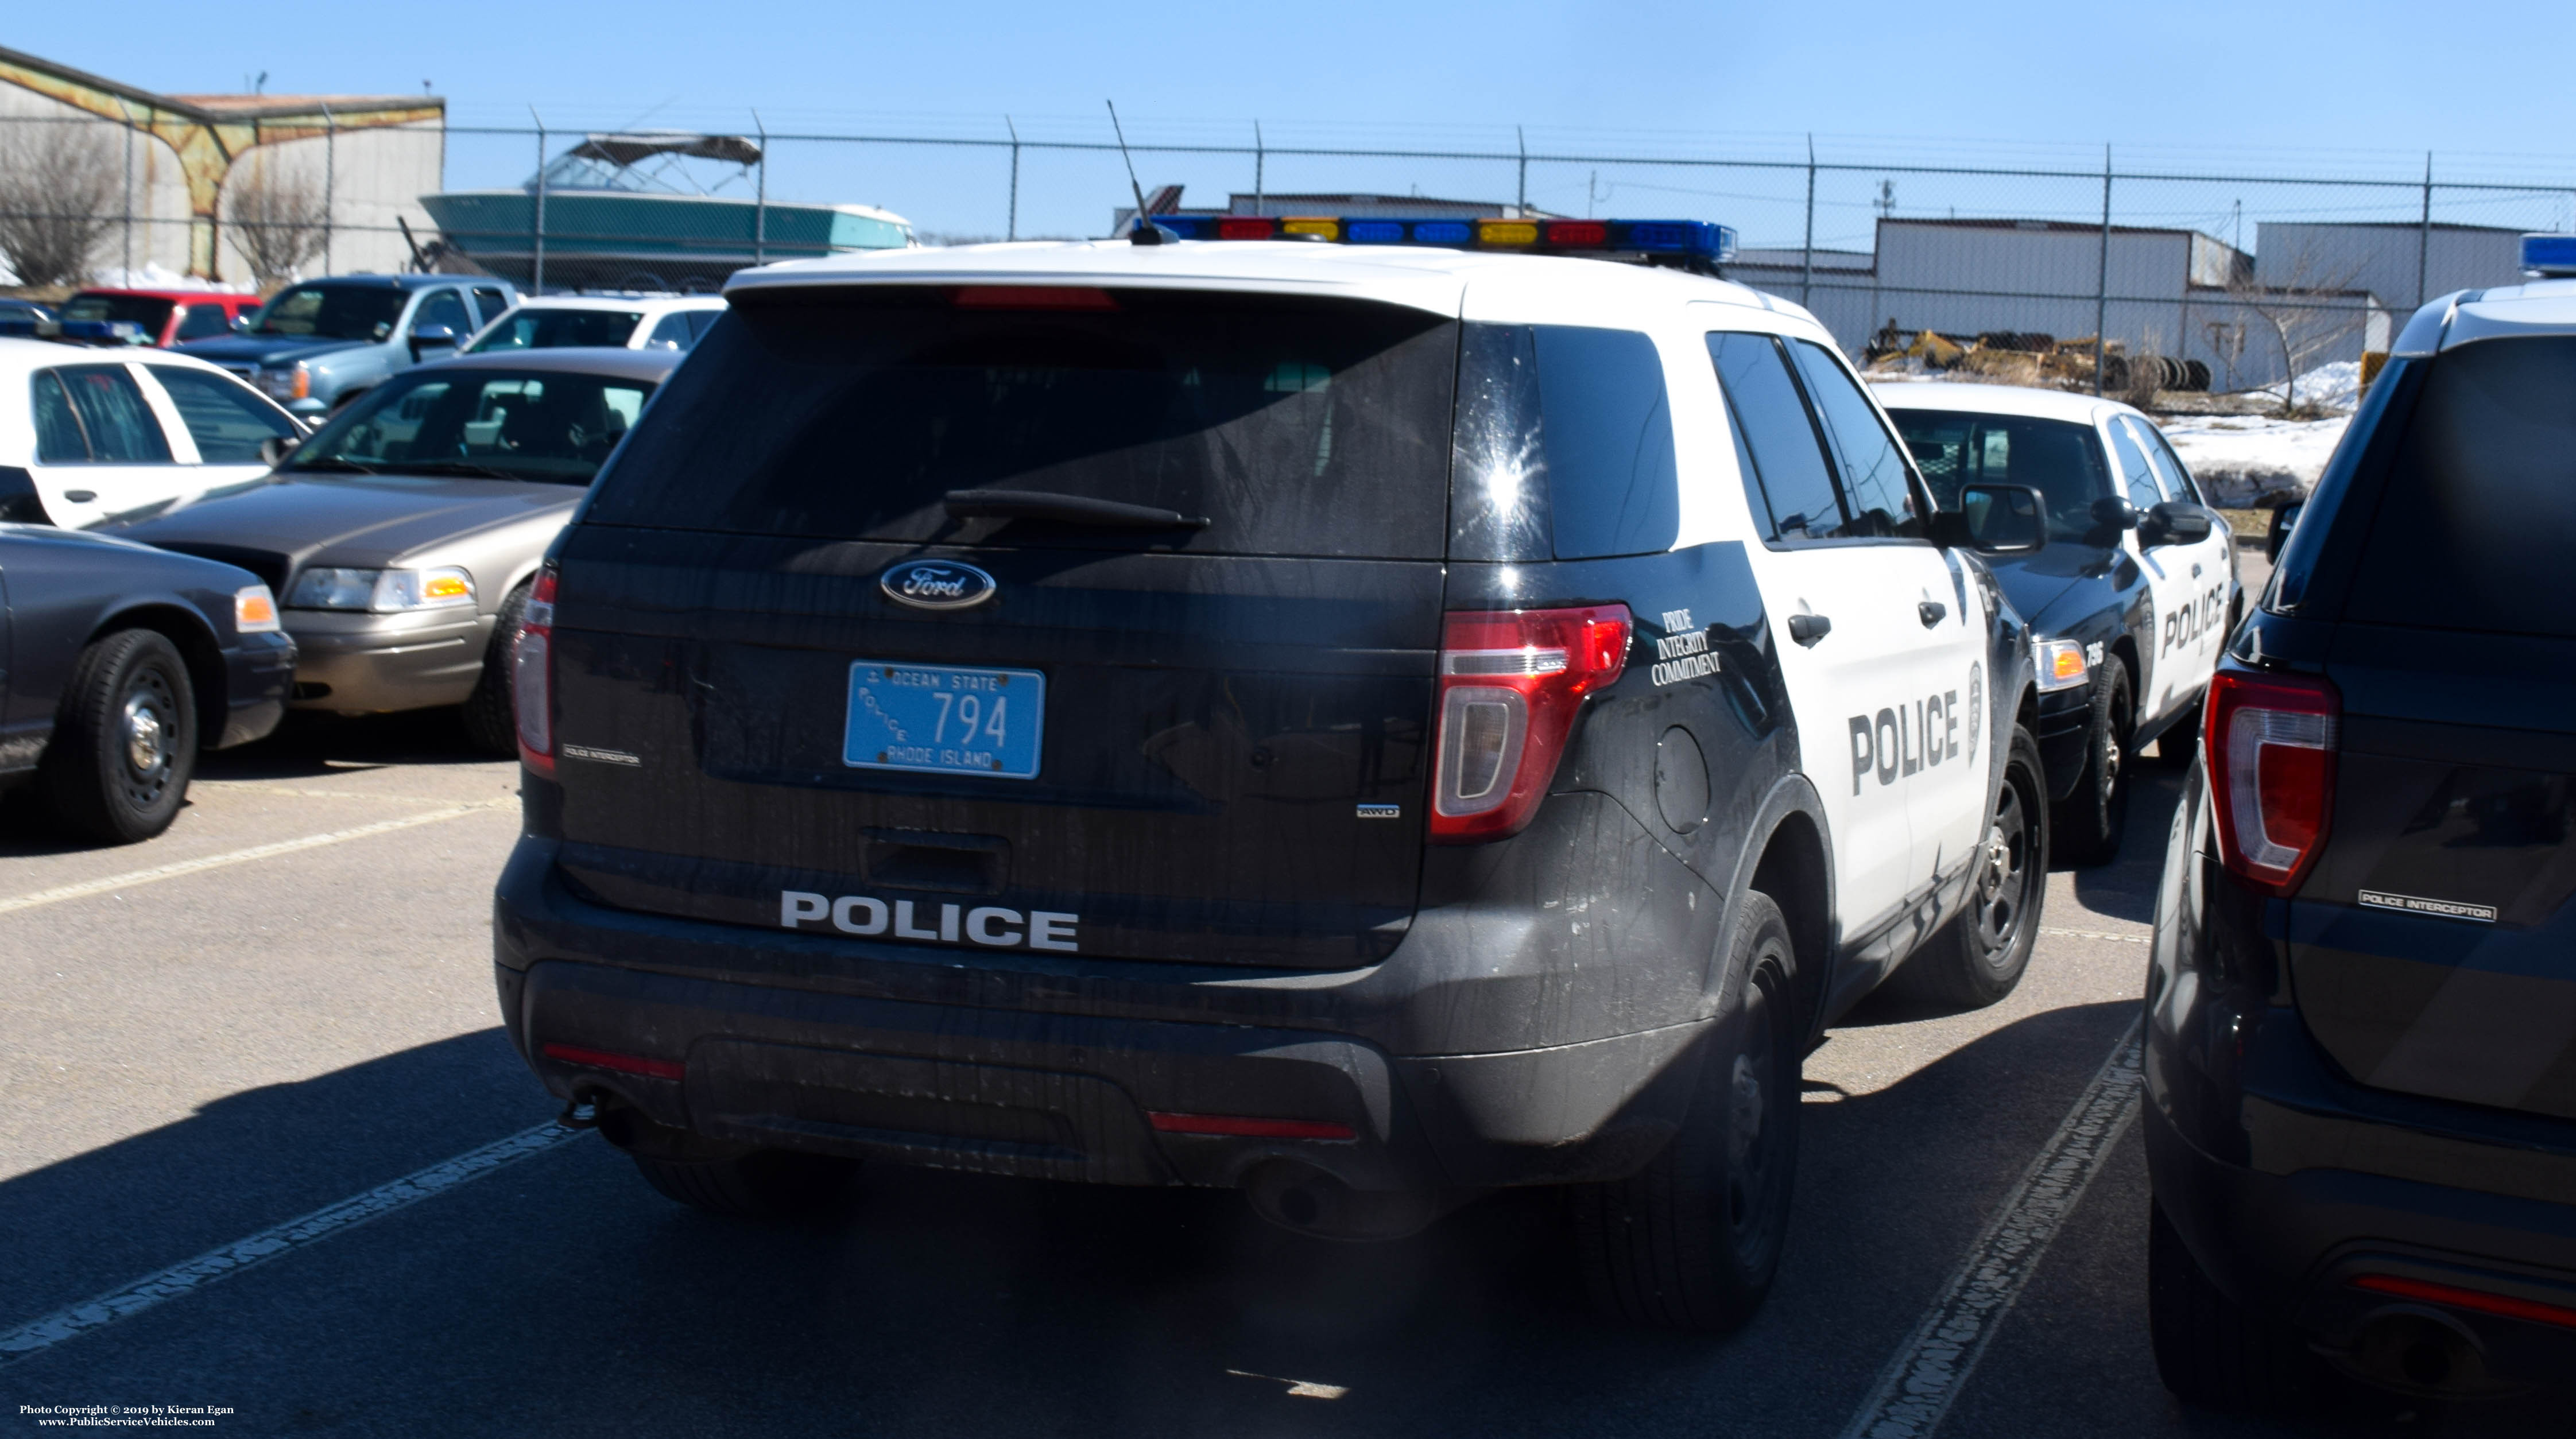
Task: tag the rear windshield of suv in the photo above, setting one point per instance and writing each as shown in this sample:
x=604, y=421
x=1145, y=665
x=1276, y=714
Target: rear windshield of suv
x=2059, y=458
x=2477, y=526
x=1295, y=426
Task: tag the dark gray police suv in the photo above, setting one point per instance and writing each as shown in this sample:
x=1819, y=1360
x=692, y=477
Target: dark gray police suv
x=2361, y=1056
x=1348, y=726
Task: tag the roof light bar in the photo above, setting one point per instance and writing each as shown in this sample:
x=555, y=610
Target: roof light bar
x=1682, y=239
x=2553, y=255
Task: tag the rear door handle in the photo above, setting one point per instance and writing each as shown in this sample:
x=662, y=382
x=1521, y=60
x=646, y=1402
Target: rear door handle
x=1807, y=629
x=1932, y=612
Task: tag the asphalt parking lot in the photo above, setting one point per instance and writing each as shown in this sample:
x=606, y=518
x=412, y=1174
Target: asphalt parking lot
x=286, y=1004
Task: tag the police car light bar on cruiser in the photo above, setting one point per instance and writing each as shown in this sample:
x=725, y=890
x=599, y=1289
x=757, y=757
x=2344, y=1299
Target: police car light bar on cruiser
x=2549, y=255
x=1684, y=240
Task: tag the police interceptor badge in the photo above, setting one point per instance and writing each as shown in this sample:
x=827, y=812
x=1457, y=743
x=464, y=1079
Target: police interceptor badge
x=937, y=585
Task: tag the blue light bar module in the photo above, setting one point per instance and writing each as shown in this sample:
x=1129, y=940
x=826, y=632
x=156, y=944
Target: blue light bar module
x=1688, y=242
x=2553, y=255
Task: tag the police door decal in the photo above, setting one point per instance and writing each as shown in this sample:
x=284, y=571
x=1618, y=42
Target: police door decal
x=1911, y=736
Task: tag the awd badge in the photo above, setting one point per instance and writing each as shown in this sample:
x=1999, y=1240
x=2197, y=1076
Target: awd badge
x=937, y=585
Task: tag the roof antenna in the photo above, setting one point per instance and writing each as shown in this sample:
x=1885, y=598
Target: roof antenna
x=1144, y=231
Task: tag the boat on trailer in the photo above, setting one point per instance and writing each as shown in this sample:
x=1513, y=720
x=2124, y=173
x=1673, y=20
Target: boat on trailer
x=629, y=212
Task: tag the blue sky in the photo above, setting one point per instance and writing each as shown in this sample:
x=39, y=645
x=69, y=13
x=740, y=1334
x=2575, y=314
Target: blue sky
x=2290, y=87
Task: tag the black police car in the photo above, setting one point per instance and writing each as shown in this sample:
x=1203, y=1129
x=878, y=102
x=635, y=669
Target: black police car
x=2131, y=599
x=123, y=662
x=1360, y=727
x=2361, y=1057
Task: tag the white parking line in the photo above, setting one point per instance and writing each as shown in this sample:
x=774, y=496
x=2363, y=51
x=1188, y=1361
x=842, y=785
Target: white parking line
x=2148, y=938
x=1930, y=1370
x=132, y=878
x=241, y=1254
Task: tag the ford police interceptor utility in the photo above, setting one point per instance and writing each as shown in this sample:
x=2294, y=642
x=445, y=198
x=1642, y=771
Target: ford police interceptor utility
x=1363, y=722
x=2132, y=597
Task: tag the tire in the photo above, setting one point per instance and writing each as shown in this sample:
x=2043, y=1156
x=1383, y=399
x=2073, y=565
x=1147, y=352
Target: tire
x=125, y=740
x=491, y=718
x=1693, y=1240
x=1978, y=957
x=2088, y=823
x=765, y=1184
x=2211, y=1350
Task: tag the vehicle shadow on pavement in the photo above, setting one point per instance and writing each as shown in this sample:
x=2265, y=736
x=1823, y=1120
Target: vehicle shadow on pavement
x=564, y=1296
x=309, y=745
x=2126, y=887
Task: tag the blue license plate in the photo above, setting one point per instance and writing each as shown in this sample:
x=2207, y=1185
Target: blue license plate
x=945, y=719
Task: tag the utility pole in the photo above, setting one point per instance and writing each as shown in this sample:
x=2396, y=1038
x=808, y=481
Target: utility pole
x=2102, y=281
x=1522, y=139
x=760, y=200
x=1013, y=232
x=1807, y=273
x=330, y=180
x=1260, y=161
x=537, y=252
x=2424, y=236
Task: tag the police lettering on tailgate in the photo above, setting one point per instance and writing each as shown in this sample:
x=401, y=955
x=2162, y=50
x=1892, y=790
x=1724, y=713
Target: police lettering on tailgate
x=989, y=925
x=1917, y=734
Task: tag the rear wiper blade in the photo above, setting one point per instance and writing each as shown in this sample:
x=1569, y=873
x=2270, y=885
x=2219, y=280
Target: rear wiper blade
x=1067, y=509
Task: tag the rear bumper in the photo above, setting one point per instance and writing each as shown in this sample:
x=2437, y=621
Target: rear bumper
x=2334, y=1188
x=1019, y=1064
x=375, y=664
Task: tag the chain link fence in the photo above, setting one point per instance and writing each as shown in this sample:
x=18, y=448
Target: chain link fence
x=2113, y=275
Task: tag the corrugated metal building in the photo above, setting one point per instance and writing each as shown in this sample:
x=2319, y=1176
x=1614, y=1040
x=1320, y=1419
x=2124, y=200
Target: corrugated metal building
x=373, y=155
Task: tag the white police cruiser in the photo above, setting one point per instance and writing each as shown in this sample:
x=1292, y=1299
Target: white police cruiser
x=1360, y=711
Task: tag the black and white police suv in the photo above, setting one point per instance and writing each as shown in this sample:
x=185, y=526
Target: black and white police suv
x=2361, y=1012
x=2132, y=597
x=1361, y=723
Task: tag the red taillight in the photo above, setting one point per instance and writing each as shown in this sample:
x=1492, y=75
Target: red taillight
x=1246, y=1126
x=1034, y=297
x=2270, y=744
x=622, y=1063
x=532, y=677
x=1511, y=683
x=2476, y=1299
x=1578, y=232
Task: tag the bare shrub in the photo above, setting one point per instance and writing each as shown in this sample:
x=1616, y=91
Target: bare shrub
x=277, y=215
x=2308, y=311
x=59, y=184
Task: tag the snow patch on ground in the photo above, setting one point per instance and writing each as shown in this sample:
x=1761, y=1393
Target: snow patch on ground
x=2246, y=462
x=149, y=276
x=2335, y=387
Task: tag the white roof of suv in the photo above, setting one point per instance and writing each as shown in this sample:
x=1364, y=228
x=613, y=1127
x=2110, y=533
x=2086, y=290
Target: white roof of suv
x=1471, y=284
x=651, y=308
x=1995, y=400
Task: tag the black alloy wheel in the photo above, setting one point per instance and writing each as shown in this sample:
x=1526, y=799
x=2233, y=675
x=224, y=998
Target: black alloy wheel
x=2089, y=822
x=125, y=739
x=1979, y=956
x=1693, y=1240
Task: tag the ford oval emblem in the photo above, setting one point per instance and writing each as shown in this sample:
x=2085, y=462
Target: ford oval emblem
x=937, y=585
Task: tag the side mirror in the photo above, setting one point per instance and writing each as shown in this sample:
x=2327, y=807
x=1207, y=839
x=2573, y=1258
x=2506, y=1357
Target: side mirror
x=2175, y=522
x=2115, y=514
x=1995, y=520
x=245, y=322
x=274, y=450
x=2284, y=519
x=432, y=337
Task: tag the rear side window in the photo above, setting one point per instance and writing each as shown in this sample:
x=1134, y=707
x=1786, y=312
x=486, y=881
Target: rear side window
x=2478, y=520
x=120, y=428
x=1296, y=426
x=228, y=422
x=1565, y=445
x=1787, y=478
x=1873, y=466
x=58, y=433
